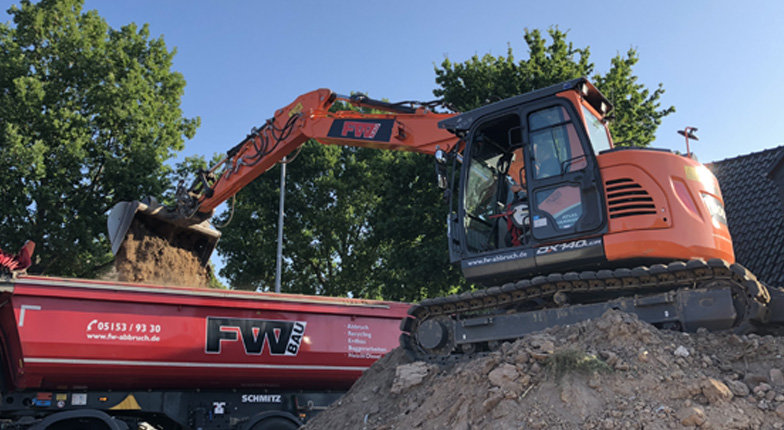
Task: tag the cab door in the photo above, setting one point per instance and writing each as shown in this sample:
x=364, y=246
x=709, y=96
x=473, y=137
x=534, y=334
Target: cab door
x=563, y=181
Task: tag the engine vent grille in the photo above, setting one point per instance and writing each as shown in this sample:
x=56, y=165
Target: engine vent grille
x=628, y=198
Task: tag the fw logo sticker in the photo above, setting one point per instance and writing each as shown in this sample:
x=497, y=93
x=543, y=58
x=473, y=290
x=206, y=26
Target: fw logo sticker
x=281, y=337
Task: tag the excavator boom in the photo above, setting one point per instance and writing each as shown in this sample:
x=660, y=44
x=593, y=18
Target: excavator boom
x=395, y=127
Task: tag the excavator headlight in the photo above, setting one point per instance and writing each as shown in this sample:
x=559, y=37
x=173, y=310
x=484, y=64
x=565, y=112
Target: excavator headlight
x=705, y=176
x=715, y=208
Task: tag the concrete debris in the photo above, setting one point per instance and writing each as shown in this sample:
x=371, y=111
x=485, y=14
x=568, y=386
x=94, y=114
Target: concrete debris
x=612, y=373
x=409, y=375
x=681, y=351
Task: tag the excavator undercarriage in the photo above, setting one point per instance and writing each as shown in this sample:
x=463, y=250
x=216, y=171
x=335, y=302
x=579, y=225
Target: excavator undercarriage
x=680, y=295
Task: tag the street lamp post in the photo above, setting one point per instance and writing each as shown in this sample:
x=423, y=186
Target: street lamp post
x=279, y=260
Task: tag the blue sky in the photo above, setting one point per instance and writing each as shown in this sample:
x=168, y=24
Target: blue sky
x=721, y=62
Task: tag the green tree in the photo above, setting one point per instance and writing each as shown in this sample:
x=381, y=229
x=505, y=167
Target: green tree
x=409, y=227
x=88, y=116
x=480, y=80
x=352, y=227
x=326, y=248
x=637, y=113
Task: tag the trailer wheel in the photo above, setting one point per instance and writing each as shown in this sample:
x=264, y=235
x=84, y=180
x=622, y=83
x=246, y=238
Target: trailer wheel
x=79, y=424
x=86, y=419
x=275, y=423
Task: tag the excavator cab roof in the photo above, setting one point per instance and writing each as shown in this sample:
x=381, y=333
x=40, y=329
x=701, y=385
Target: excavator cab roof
x=464, y=121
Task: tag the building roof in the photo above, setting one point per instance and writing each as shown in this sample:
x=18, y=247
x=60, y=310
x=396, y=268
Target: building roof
x=755, y=211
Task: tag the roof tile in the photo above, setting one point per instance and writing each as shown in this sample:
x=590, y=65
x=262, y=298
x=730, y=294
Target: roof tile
x=755, y=212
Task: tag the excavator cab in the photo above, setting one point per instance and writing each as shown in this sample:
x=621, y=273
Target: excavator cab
x=529, y=179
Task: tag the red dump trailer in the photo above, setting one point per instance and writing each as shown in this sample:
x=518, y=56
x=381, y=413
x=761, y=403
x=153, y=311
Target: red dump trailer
x=109, y=355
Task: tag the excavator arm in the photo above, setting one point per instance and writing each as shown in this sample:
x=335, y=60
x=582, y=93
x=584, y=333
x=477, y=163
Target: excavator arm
x=309, y=117
x=406, y=126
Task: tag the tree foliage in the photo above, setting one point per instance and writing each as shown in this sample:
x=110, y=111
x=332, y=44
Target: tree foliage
x=325, y=229
x=88, y=116
x=637, y=113
x=481, y=80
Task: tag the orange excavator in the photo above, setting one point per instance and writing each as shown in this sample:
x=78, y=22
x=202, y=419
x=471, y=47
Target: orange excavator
x=553, y=221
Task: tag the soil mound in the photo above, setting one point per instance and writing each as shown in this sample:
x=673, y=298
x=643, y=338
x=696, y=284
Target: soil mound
x=144, y=257
x=615, y=372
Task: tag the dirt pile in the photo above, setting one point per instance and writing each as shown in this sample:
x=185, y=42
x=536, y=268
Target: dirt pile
x=147, y=258
x=612, y=373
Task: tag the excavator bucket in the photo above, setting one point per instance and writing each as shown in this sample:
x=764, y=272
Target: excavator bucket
x=143, y=219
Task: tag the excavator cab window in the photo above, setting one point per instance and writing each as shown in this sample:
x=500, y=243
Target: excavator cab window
x=556, y=146
x=565, y=195
x=495, y=180
x=556, y=151
x=600, y=140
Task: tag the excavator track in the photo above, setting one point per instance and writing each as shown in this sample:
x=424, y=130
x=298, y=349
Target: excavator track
x=680, y=295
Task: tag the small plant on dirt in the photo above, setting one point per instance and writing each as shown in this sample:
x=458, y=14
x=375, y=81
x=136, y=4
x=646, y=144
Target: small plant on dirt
x=567, y=361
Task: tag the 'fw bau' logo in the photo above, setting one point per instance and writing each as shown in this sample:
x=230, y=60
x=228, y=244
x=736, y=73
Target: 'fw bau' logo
x=376, y=130
x=281, y=337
